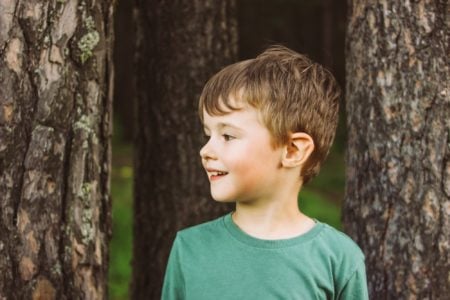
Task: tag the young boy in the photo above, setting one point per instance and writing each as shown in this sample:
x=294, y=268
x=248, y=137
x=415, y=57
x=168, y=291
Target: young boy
x=270, y=122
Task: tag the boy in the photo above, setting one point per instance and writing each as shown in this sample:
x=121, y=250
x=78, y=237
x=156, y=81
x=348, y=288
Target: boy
x=270, y=122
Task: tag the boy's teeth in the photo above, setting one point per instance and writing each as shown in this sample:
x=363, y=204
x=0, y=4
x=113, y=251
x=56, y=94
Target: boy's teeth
x=218, y=173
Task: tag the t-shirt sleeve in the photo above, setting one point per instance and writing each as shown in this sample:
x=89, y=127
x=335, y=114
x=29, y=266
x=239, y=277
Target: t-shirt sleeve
x=173, y=287
x=356, y=286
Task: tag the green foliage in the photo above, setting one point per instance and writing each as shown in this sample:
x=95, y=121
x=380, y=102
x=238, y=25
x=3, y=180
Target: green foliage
x=122, y=238
x=121, y=243
x=318, y=207
x=323, y=197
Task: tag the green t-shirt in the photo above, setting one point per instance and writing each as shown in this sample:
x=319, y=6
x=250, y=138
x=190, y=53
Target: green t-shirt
x=217, y=260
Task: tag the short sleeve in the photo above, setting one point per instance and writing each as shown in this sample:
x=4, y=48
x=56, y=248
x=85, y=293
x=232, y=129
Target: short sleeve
x=173, y=287
x=356, y=286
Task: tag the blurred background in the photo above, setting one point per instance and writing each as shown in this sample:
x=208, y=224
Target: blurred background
x=312, y=27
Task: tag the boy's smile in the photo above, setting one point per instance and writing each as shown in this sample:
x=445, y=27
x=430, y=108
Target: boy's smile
x=215, y=174
x=239, y=158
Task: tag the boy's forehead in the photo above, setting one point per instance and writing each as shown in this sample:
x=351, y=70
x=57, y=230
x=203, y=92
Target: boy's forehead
x=242, y=117
x=214, y=117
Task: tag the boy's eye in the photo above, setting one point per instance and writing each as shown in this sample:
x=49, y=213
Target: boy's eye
x=227, y=137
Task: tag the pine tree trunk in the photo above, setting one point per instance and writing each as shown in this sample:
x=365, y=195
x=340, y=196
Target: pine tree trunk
x=55, y=127
x=398, y=177
x=179, y=46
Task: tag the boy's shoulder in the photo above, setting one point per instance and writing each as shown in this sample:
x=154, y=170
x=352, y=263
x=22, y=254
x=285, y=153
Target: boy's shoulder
x=337, y=243
x=204, y=232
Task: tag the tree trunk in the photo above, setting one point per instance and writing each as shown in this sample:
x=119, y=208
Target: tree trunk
x=179, y=46
x=124, y=92
x=55, y=128
x=398, y=176
x=328, y=24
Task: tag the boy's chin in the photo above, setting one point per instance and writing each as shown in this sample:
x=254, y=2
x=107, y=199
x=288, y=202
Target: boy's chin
x=222, y=199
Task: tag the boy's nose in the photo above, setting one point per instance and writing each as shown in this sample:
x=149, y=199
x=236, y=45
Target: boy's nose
x=206, y=152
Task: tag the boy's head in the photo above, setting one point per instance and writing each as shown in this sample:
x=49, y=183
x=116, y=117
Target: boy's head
x=292, y=94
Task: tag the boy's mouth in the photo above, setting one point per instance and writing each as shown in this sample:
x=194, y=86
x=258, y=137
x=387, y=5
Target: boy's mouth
x=215, y=174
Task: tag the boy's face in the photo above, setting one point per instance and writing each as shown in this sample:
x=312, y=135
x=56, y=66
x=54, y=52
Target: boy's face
x=239, y=158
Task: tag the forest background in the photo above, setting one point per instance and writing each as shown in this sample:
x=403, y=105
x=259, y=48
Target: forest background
x=57, y=84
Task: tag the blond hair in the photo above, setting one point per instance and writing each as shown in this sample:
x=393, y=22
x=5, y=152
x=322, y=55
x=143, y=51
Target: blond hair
x=292, y=93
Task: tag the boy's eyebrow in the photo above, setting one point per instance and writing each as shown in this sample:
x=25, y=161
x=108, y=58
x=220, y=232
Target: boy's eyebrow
x=223, y=125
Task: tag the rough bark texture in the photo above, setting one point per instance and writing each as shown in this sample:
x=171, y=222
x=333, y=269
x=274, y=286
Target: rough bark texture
x=55, y=127
x=179, y=46
x=398, y=177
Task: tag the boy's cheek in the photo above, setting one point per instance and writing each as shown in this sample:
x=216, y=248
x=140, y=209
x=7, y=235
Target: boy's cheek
x=249, y=176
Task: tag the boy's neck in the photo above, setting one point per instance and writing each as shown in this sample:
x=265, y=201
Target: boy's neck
x=272, y=220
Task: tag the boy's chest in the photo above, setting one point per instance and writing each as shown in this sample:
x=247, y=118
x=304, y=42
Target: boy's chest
x=260, y=274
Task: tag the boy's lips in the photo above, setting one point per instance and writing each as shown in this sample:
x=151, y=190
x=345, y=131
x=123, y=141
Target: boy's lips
x=214, y=174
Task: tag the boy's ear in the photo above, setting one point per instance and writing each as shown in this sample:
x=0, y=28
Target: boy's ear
x=298, y=149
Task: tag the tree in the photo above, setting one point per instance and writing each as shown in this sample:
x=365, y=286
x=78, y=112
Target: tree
x=123, y=103
x=179, y=46
x=55, y=128
x=398, y=175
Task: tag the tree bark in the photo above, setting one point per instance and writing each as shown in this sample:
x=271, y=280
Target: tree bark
x=398, y=177
x=55, y=129
x=179, y=46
